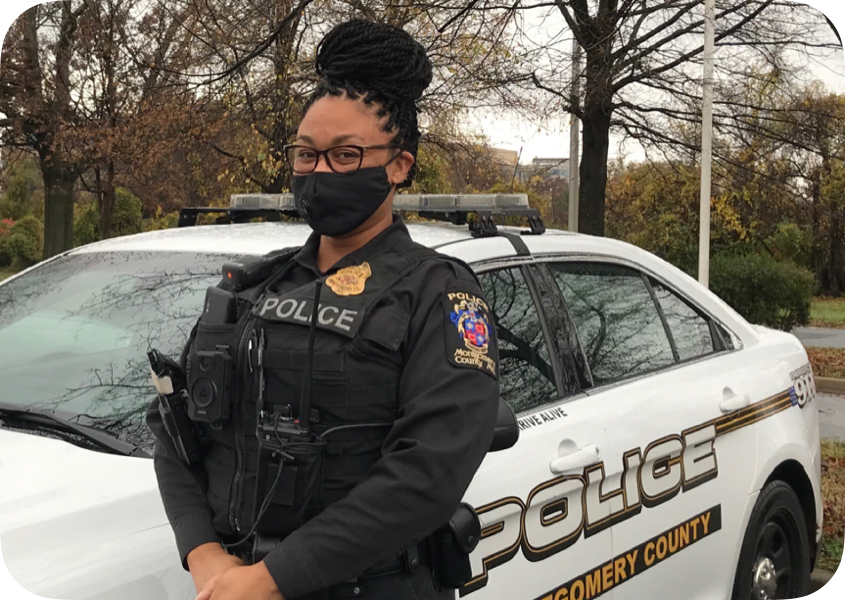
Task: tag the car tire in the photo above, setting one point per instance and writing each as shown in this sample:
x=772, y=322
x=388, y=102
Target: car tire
x=774, y=562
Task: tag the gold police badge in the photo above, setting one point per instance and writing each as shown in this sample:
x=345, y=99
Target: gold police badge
x=350, y=281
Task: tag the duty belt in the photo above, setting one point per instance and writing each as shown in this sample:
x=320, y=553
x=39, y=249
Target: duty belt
x=409, y=560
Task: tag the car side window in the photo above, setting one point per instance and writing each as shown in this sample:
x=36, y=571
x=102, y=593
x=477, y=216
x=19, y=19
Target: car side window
x=526, y=377
x=689, y=329
x=731, y=341
x=616, y=318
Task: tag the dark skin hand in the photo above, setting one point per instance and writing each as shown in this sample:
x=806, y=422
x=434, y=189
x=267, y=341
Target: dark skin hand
x=242, y=583
x=207, y=562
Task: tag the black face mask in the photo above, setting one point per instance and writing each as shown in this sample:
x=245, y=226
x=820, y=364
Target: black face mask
x=335, y=204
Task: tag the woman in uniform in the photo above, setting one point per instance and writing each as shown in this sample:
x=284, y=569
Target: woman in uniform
x=363, y=344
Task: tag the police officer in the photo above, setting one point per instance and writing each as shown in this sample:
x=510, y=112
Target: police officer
x=387, y=346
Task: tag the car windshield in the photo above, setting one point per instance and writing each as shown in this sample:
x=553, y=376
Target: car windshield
x=74, y=332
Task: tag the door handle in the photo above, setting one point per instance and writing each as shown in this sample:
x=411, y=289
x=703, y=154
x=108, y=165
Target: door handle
x=580, y=458
x=733, y=402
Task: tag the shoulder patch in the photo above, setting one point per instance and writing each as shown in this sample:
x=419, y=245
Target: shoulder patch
x=470, y=334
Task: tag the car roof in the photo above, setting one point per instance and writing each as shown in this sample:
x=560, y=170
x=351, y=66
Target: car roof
x=455, y=240
x=261, y=238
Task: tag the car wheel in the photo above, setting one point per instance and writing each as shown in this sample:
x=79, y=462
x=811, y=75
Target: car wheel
x=775, y=559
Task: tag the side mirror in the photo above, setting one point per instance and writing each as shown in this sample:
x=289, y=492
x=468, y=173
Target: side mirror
x=506, y=432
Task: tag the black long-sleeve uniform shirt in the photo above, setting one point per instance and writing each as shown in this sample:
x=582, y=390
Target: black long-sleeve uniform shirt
x=447, y=407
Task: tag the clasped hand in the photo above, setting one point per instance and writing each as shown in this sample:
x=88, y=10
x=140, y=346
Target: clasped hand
x=252, y=582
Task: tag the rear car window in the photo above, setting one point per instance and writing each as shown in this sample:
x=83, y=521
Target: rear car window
x=617, y=320
x=690, y=330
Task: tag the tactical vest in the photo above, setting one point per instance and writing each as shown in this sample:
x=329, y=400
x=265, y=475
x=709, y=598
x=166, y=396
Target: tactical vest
x=357, y=365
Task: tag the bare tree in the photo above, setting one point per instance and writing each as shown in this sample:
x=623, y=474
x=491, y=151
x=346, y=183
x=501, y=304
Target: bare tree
x=643, y=69
x=256, y=58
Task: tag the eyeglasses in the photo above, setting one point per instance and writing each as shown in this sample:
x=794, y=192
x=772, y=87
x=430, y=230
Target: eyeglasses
x=341, y=159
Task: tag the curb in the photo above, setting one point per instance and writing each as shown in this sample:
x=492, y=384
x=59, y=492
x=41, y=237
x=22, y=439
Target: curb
x=818, y=579
x=830, y=385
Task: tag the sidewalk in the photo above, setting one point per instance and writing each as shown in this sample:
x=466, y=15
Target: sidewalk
x=820, y=337
x=818, y=578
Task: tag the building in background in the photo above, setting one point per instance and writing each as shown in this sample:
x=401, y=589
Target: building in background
x=548, y=168
x=504, y=158
x=544, y=168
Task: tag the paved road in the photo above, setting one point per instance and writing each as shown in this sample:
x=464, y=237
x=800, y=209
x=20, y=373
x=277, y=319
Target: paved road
x=820, y=337
x=832, y=416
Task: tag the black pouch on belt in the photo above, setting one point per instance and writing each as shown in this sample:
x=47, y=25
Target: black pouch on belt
x=451, y=546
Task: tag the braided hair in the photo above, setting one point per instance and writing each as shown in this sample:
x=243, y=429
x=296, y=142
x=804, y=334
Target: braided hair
x=379, y=64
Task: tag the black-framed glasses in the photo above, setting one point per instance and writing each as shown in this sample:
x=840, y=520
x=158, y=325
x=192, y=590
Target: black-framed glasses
x=341, y=159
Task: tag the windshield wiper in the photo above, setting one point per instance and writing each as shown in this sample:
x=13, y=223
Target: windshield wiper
x=96, y=436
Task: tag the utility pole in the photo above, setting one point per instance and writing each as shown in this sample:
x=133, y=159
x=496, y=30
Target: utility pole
x=706, y=143
x=574, y=137
x=516, y=168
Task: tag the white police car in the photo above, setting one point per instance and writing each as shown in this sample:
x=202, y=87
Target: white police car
x=668, y=449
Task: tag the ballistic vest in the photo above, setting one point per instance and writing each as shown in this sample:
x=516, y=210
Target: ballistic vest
x=356, y=370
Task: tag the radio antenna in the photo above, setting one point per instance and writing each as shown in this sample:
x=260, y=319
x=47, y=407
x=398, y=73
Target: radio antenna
x=305, y=399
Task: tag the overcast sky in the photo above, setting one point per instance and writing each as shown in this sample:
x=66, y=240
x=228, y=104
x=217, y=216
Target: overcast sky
x=551, y=139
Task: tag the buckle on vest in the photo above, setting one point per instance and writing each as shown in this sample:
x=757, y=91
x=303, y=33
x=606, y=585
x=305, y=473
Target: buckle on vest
x=262, y=546
x=412, y=558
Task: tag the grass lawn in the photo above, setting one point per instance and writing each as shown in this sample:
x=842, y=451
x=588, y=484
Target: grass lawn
x=833, y=498
x=827, y=362
x=828, y=312
x=4, y=273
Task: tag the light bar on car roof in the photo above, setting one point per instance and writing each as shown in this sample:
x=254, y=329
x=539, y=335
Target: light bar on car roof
x=407, y=202
x=453, y=208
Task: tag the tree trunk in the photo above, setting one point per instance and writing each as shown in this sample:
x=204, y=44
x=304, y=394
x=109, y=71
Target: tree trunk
x=594, y=172
x=58, y=207
x=108, y=202
x=816, y=239
x=836, y=264
x=598, y=109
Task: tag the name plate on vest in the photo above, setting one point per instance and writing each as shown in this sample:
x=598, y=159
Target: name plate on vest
x=340, y=317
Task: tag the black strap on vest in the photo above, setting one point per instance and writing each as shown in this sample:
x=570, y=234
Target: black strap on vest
x=278, y=257
x=421, y=253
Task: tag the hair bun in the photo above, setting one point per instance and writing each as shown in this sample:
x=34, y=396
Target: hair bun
x=374, y=57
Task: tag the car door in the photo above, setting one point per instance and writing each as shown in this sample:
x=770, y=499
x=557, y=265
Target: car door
x=530, y=498
x=682, y=434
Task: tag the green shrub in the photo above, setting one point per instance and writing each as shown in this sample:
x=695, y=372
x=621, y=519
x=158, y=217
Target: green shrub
x=20, y=198
x=5, y=230
x=126, y=219
x=25, y=242
x=792, y=242
x=764, y=290
x=162, y=221
x=127, y=213
x=86, y=225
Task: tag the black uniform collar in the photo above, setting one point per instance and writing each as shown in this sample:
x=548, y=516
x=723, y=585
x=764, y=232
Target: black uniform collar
x=393, y=237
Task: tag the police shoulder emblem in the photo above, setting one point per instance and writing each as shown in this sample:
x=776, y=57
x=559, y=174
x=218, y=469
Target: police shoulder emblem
x=350, y=281
x=469, y=318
